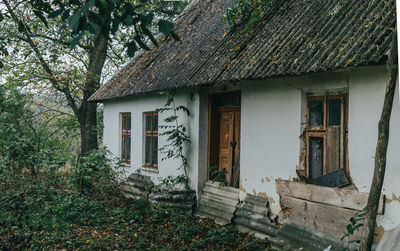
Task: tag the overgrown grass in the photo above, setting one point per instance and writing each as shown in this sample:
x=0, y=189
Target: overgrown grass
x=83, y=211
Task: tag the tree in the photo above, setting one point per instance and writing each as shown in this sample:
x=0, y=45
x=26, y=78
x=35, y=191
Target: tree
x=90, y=34
x=381, y=148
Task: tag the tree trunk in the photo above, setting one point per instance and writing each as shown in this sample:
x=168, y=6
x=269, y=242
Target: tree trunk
x=88, y=111
x=381, y=149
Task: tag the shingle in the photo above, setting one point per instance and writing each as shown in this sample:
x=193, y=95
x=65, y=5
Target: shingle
x=294, y=37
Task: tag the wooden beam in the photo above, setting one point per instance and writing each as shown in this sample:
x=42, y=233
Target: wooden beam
x=324, y=218
x=338, y=197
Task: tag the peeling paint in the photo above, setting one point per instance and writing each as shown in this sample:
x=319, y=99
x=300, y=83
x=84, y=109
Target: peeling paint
x=394, y=198
x=378, y=234
x=241, y=188
x=264, y=194
x=262, y=180
x=267, y=179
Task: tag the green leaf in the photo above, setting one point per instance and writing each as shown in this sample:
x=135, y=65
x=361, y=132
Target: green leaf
x=132, y=48
x=41, y=17
x=357, y=226
x=149, y=35
x=55, y=13
x=175, y=36
x=21, y=27
x=128, y=20
x=76, y=40
x=94, y=28
x=86, y=8
x=65, y=15
x=74, y=20
x=141, y=43
x=350, y=229
x=115, y=25
x=165, y=27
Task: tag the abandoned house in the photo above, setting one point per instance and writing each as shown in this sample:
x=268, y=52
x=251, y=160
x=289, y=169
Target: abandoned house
x=289, y=109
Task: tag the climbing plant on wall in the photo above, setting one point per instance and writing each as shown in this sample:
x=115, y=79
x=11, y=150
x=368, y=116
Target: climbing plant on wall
x=176, y=132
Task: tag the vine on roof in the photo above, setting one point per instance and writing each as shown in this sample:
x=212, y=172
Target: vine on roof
x=246, y=11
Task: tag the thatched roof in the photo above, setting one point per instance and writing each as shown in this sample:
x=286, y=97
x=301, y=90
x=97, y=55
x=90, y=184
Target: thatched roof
x=294, y=37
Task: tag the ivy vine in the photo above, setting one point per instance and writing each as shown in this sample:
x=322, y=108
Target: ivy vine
x=177, y=134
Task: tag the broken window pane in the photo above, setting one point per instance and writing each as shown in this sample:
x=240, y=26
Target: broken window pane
x=335, y=107
x=316, y=112
x=316, y=151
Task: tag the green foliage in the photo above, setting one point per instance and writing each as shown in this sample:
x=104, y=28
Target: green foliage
x=97, y=175
x=31, y=137
x=217, y=175
x=177, y=135
x=94, y=18
x=170, y=183
x=246, y=11
x=352, y=227
x=52, y=213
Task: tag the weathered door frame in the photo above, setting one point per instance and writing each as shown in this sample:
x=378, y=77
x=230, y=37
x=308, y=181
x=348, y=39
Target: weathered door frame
x=213, y=128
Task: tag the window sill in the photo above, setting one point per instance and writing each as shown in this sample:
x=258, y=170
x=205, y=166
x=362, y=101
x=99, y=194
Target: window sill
x=149, y=169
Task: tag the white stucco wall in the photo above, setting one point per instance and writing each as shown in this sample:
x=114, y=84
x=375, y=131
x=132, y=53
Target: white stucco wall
x=366, y=95
x=272, y=114
x=137, y=106
x=270, y=128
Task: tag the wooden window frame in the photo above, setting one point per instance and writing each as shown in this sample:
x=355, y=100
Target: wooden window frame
x=125, y=148
x=152, y=134
x=320, y=132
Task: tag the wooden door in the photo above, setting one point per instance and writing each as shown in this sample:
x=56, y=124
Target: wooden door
x=229, y=143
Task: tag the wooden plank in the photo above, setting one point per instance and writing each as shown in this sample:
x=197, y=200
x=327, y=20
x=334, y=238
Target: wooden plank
x=344, y=198
x=320, y=217
x=333, y=150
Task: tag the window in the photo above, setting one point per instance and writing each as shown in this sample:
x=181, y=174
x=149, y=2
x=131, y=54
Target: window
x=151, y=139
x=326, y=135
x=126, y=137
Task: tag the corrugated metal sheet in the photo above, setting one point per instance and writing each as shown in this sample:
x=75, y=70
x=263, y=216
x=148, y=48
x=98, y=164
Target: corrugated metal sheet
x=294, y=37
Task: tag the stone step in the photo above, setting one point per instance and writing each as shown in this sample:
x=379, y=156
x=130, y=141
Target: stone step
x=219, y=185
x=257, y=226
x=219, y=192
x=219, y=199
x=137, y=185
x=132, y=190
x=229, y=208
x=173, y=197
x=219, y=217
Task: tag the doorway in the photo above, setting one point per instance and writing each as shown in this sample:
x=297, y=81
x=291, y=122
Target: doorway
x=224, y=136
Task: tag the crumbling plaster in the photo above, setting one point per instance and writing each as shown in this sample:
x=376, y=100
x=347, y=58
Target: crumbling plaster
x=273, y=117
